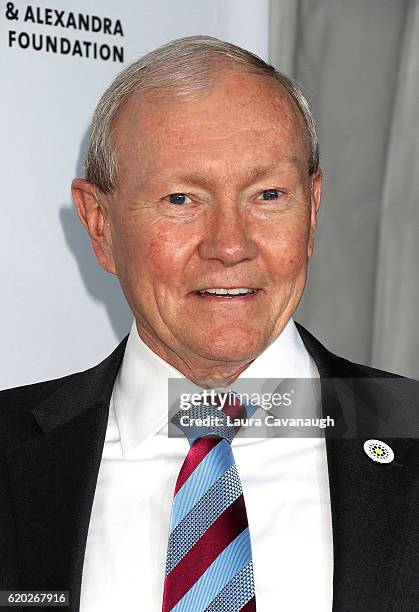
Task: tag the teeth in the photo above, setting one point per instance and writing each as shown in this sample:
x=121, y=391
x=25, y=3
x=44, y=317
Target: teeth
x=221, y=291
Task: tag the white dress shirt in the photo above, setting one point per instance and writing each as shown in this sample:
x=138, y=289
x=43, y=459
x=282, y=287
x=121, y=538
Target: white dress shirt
x=284, y=480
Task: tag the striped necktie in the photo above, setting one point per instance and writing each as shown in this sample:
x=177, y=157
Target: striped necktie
x=209, y=558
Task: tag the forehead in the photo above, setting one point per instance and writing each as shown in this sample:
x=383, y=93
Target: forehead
x=240, y=116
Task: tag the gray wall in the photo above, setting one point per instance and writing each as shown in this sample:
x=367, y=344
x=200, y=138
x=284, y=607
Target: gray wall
x=358, y=64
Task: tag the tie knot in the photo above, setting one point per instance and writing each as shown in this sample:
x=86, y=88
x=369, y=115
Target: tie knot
x=212, y=415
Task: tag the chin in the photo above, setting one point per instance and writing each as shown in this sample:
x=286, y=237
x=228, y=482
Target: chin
x=229, y=347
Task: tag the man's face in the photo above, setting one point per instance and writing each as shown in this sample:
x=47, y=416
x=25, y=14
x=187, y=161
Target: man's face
x=212, y=194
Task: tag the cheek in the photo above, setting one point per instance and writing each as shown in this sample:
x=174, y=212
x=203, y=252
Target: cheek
x=154, y=253
x=164, y=256
x=286, y=253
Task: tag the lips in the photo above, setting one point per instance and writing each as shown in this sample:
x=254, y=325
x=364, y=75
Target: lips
x=222, y=291
x=220, y=294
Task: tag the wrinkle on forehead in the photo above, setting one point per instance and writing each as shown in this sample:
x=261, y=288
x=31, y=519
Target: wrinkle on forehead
x=231, y=131
x=202, y=171
x=210, y=142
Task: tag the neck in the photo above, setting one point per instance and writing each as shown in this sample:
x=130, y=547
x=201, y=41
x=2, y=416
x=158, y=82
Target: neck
x=206, y=374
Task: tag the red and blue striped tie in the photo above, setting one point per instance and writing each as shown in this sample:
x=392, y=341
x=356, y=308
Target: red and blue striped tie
x=209, y=557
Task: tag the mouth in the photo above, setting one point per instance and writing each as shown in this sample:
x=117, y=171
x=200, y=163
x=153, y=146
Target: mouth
x=227, y=293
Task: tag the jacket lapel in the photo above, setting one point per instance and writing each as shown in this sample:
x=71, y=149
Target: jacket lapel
x=53, y=480
x=371, y=503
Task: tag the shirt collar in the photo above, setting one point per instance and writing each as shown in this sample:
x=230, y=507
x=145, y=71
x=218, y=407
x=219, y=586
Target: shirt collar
x=140, y=392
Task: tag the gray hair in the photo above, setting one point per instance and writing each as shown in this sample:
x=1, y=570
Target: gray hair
x=187, y=65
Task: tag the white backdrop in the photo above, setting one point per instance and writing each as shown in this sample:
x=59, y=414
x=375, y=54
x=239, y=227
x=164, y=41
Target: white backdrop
x=60, y=312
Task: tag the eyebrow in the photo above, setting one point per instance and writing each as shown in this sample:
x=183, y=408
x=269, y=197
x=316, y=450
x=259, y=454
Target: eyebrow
x=196, y=178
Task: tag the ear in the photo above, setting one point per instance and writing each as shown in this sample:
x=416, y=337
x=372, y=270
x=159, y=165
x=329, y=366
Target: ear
x=315, y=196
x=92, y=213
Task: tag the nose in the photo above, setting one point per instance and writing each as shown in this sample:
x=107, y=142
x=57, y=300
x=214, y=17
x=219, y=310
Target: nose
x=227, y=236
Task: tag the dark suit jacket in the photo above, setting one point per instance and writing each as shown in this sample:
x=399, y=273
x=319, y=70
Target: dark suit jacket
x=51, y=440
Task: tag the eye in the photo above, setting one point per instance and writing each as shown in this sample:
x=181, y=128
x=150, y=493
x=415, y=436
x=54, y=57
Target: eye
x=178, y=198
x=271, y=194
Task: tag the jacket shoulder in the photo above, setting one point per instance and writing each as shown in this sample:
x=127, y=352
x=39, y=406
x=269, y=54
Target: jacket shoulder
x=16, y=420
x=364, y=371
x=17, y=403
x=332, y=365
x=17, y=398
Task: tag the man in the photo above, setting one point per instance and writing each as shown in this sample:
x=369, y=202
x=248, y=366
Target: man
x=201, y=194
